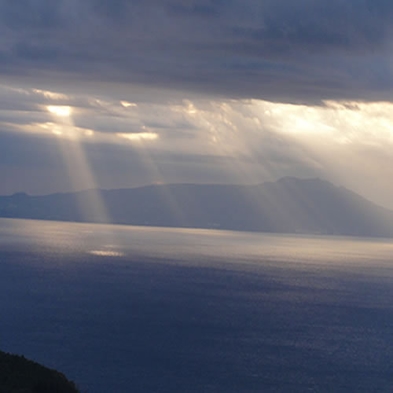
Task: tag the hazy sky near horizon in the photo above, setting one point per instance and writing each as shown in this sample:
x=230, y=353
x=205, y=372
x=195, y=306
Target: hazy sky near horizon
x=116, y=93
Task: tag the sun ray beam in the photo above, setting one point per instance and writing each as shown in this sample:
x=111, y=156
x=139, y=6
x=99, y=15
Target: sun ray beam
x=91, y=205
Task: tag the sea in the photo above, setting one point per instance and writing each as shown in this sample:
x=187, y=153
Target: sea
x=122, y=309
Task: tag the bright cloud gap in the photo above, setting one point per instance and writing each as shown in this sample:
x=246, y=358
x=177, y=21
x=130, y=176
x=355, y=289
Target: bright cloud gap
x=139, y=137
x=59, y=110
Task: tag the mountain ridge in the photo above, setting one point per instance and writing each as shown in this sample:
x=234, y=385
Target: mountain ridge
x=289, y=205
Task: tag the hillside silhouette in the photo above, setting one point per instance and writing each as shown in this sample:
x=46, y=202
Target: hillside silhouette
x=20, y=375
x=290, y=205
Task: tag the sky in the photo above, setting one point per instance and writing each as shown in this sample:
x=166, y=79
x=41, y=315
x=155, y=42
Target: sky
x=124, y=93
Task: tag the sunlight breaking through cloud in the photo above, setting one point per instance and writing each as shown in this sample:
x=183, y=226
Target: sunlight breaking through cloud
x=201, y=139
x=50, y=94
x=139, y=136
x=91, y=204
x=127, y=104
x=61, y=111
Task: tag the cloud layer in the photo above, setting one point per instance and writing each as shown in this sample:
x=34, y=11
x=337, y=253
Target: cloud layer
x=278, y=50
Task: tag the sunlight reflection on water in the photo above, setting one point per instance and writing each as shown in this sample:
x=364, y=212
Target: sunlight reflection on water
x=111, y=240
x=106, y=253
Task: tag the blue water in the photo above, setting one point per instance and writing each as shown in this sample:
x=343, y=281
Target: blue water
x=131, y=309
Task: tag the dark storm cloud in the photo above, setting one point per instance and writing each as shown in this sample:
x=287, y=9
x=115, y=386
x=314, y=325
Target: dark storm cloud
x=301, y=50
x=26, y=14
x=209, y=8
x=319, y=26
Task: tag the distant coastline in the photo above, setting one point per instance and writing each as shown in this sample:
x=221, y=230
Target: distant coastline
x=290, y=205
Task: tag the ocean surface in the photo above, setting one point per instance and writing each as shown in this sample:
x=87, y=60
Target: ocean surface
x=137, y=309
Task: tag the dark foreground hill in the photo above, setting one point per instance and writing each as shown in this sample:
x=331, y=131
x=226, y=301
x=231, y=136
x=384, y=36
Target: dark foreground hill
x=20, y=375
x=290, y=205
